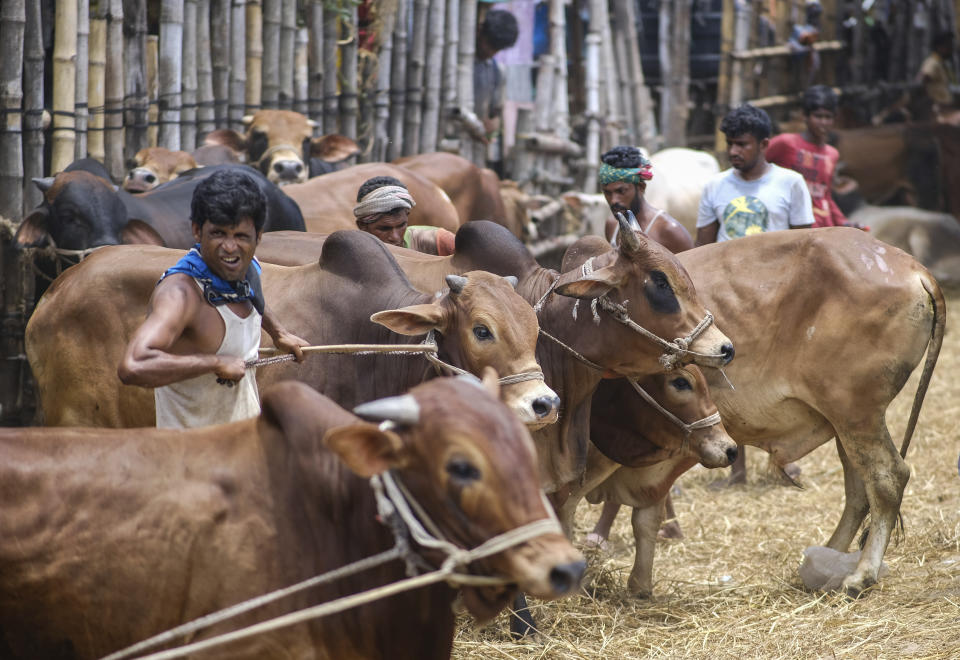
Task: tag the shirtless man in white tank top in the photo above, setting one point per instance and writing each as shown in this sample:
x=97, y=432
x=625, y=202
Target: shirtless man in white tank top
x=204, y=317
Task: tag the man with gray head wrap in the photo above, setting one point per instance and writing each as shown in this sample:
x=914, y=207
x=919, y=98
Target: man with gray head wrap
x=383, y=208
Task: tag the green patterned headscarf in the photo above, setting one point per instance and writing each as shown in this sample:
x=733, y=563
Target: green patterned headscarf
x=609, y=174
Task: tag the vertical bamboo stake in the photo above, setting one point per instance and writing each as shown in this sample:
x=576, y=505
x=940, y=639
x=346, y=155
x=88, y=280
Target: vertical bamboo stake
x=674, y=40
x=469, y=149
x=188, y=116
x=640, y=96
x=113, y=91
x=300, y=72
x=315, y=62
x=95, y=84
x=13, y=18
x=381, y=134
x=558, y=48
x=220, y=57
x=741, y=35
x=592, y=84
x=449, y=80
x=169, y=73
x=135, y=77
x=398, y=79
x=723, y=80
x=608, y=72
x=64, y=81
x=205, y=103
x=153, y=88
x=349, y=99
x=622, y=69
x=415, y=66
x=238, y=64
x=83, y=75
x=288, y=39
x=33, y=104
x=272, y=12
x=254, y=26
x=331, y=34
x=432, y=76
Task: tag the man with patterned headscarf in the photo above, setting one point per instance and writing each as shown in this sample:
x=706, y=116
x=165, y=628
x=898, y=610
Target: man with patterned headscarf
x=383, y=208
x=623, y=177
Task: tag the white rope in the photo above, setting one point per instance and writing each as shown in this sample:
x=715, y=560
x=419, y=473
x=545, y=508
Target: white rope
x=688, y=428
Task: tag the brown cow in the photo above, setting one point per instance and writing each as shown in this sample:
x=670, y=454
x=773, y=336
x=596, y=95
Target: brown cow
x=329, y=301
x=155, y=165
x=327, y=202
x=281, y=145
x=108, y=537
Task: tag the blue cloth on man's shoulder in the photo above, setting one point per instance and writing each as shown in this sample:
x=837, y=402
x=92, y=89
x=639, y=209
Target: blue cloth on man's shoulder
x=216, y=290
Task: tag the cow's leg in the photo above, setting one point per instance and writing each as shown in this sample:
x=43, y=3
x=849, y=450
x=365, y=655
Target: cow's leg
x=855, y=505
x=646, y=523
x=601, y=531
x=884, y=476
x=671, y=526
x=521, y=621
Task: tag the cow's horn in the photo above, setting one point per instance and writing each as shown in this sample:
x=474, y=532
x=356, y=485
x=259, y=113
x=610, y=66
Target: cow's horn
x=43, y=182
x=512, y=279
x=456, y=283
x=402, y=409
x=632, y=219
x=628, y=239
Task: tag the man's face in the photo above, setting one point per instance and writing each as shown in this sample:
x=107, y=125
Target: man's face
x=622, y=196
x=389, y=227
x=228, y=249
x=819, y=123
x=744, y=151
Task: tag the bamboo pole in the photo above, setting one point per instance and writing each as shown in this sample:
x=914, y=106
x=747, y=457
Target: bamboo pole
x=220, y=57
x=674, y=40
x=153, y=88
x=592, y=113
x=13, y=19
x=169, y=73
x=315, y=63
x=415, y=68
x=188, y=116
x=301, y=90
x=83, y=75
x=622, y=68
x=288, y=39
x=64, y=82
x=95, y=83
x=609, y=98
x=469, y=149
x=723, y=79
x=331, y=34
x=272, y=12
x=113, y=94
x=398, y=78
x=449, y=85
x=254, y=87
x=381, y=134
x=135, y=101
x=640, y=95
x=558, y=48
x=433, y=76
x=205, y=103
x=349, y=98
x=238, y=64
x=33, y=105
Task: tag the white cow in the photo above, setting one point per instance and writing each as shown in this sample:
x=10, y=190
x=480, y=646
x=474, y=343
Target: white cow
x=679, y=176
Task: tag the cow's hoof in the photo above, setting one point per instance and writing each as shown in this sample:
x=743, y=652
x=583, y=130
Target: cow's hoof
x=670, y=530
x=595, y=542
x=855, y=587
x=639, y=591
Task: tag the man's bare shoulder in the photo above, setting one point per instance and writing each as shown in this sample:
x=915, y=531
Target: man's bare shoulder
x=676, y=238
x=177, y=293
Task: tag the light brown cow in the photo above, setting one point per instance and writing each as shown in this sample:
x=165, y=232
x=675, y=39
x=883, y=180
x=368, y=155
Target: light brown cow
x=155, y=165
x=74, y=354
x=110, y=536
x=280, y=144
x=327, y=202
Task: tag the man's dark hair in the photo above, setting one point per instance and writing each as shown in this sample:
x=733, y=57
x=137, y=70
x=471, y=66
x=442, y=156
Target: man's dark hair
x=747, y=120
x=623, y=157
x=370, y=185
x=227, y=196
x=944, y=38
x=819, y=97
x=500, y=29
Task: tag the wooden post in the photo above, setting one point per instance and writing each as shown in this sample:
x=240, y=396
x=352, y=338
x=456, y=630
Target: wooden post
x=469, y=148
x=621, y=74
x=331, y=34
x=33, y=104
x=288, y=38
x=83, y=76
x=188, y=117
x=220, y=57
x=64, y=83
x=113, y=122
x=381, y=131
x=238, y=64
x=610, y=97
x=398, y=79
x=153, y=89
x=674, y=40
x=449, y=85
x=135, y=77
x=169, y=73
x=415, y=72
x=349, y=99
x=558, y=48
x=13, y=18
x=588, y=183
x=300, y=72
x=272, y=13
x=95, y=84
x=205, y=102
x=723, y=80
x=433, y=76
x=254, y=64
x=315, y=62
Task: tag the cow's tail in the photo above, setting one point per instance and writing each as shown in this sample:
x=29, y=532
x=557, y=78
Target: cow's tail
x=933, y=352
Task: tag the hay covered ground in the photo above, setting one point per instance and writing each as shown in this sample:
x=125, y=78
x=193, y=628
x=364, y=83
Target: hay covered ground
x=730, y=588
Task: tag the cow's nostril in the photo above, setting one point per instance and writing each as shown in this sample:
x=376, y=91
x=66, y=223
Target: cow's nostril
x=566, y=577
x=298, y=168
x=278, y=168
x=545, y=405
x=727, y=352
x=732, y=453
x=150, y=178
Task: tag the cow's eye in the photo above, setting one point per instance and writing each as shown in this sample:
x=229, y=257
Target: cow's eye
x=482, y=333
x=462, y=471
x=680, y=383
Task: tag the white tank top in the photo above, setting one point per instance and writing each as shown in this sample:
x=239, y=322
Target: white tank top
x=201, y=401
x=616, y=230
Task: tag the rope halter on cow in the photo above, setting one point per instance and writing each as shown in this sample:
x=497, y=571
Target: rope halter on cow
x=687, y=428
x=395, y=506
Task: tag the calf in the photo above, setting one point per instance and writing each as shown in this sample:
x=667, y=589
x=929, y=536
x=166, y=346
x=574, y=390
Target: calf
x=155, y=165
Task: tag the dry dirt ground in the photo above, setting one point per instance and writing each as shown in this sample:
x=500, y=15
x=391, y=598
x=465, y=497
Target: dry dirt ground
x=730, y=588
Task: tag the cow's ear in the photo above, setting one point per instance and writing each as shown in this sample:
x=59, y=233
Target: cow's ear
x=228, y=138
x=413, y=320
x=137, y=232
x=365, y=448
x=32, y=232
x=333, y=148
x=593, y=285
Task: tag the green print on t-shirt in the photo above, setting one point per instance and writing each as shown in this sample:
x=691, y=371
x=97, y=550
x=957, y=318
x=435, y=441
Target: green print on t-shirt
x=744, y=216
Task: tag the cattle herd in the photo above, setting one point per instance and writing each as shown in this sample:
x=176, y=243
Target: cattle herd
x=606, y=379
